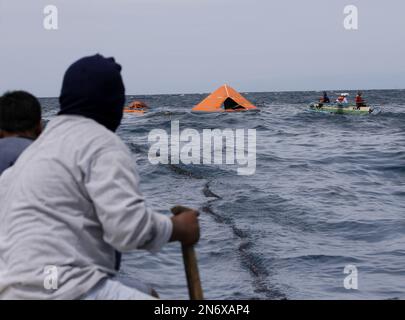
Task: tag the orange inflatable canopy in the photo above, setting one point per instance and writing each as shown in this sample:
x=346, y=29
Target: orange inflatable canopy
x=224, y=99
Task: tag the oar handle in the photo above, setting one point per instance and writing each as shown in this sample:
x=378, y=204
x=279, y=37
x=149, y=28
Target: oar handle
x=190, y=265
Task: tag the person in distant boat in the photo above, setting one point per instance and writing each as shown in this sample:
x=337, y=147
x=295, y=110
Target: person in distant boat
x=20, y=125
x=360, y=102
x=138, y=105
x=72, y=200
x=230, y=104
x=342, y=99
x=325, y=98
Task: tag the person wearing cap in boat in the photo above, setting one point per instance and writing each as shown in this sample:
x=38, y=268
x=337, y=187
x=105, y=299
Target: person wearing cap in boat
x=20, y=125
x=360, y=102
x=72, y=200
x=342, y=99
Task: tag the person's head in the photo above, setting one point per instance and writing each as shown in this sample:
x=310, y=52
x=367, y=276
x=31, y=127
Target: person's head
x=20, y=115
x=325, y=94
x=93, y=87
x=359, y=93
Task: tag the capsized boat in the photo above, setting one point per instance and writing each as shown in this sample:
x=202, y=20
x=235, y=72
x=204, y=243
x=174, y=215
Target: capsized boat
x=136, y=107
x=134, y=111
x=343, y=109
x=225, y=99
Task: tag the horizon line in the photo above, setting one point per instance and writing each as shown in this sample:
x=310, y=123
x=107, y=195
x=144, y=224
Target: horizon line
x=279, y=91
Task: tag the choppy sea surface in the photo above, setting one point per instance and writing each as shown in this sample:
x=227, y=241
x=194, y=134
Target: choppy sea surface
x=329, y=191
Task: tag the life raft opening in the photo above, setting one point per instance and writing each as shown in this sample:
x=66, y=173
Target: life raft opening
x=230, y=104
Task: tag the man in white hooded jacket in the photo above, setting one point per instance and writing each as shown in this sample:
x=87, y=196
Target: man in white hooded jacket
x=72, y=200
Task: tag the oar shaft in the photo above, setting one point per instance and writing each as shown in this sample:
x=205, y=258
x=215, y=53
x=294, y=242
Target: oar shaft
x=190, y=265
x=192, y=273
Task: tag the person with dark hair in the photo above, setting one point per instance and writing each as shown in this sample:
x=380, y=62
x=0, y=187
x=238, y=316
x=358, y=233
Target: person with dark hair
x=73, y=200
x=20, y=125
x=325, y=98
x=360, y=102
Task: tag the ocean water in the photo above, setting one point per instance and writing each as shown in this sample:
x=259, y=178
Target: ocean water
x=329, y=191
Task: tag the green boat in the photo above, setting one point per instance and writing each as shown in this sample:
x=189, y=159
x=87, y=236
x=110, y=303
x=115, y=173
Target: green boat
x=343, y=109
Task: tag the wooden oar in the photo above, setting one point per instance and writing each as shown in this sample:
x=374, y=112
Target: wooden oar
x=190, y=265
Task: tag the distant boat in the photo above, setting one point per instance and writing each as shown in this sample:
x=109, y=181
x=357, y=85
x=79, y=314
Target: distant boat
x=343, y=109
x=225, y=99
x=136, y=107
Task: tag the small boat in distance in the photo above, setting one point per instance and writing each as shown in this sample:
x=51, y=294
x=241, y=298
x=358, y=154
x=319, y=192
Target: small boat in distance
x=343, y=106
x=224, y=99
x=136, y=107
x=343, y=109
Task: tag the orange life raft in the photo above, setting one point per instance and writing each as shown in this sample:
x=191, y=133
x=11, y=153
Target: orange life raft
x=127, y=110
x=136, y=107
x=225, y=99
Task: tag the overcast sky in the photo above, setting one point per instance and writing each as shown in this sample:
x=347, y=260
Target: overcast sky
x=192, y=46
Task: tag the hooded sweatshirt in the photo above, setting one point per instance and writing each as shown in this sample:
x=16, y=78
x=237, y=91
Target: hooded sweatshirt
x=93, y=87
x=69, y=203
